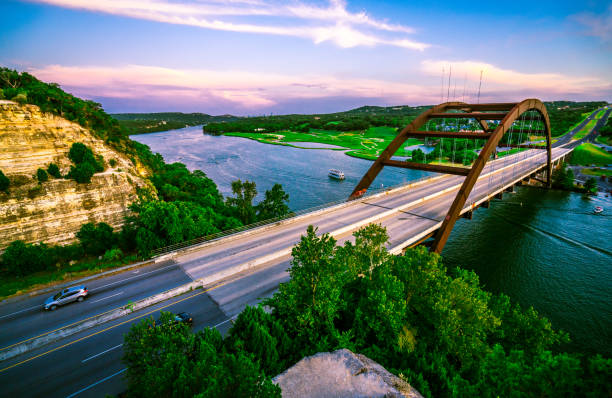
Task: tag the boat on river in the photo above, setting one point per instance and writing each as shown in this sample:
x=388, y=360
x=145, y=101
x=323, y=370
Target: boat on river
x=336, y=174
x=598, y=209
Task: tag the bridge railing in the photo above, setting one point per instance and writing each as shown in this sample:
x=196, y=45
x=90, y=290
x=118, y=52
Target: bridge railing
x=296, y=214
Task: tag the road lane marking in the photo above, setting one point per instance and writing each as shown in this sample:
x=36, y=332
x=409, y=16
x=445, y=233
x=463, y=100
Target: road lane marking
x=74, y=394
x=103, y=352
x=132, y=277
x=74, y=323
x=107, y=297
x=112, y=327
x=17, y=312
x=95, y=288
x=226, y=321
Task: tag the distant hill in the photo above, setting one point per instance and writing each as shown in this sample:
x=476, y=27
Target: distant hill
x=141, y=123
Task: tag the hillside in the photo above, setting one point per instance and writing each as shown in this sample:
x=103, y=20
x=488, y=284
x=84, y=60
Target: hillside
x=142, y=123
x=53, y=211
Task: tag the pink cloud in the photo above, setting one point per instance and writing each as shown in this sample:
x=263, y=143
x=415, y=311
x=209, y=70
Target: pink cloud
x=333, y=24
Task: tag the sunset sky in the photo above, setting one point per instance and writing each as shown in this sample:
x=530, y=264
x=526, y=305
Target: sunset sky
x=253, y=57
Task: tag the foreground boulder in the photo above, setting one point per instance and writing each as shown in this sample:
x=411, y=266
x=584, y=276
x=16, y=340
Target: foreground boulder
x=341, y=373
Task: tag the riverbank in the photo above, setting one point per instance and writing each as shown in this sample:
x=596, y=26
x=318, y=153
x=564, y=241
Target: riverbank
x=367, y=144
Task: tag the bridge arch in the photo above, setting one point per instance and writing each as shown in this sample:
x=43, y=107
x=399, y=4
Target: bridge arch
x=507, y=114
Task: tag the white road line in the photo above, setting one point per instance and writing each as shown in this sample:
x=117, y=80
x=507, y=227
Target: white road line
x=107, y=297
x=226, y=321
x=24, y=310
x=103, y=352
x=94, y=289
x=132, y=277
x=96, y=383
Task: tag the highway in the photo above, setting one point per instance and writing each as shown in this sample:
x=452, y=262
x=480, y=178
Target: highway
x=89, y=364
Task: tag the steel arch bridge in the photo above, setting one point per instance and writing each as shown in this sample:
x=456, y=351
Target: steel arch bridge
x=495, y=121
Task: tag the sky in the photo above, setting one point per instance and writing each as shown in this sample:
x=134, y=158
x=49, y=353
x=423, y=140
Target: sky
x=256, y=57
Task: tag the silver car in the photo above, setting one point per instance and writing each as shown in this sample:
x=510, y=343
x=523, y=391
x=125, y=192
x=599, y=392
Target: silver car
x=68, y=295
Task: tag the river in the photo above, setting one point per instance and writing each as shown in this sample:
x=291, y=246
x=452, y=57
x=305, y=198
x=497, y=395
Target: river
x=543, y=248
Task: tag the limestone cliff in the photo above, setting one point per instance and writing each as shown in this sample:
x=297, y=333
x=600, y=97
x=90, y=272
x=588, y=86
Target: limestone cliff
x=52, y=212
x=341, y=374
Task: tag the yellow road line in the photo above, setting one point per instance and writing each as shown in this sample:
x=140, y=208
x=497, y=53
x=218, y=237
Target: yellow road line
x=61, y=327
x=71, y=324
x=108, y=328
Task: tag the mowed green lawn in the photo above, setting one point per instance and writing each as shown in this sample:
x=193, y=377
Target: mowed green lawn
x=587, y=154
x=585, y=130
x=363, y=144
x=597, y=172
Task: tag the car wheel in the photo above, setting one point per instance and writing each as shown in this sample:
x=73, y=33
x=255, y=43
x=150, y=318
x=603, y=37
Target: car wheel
x=81, y=298
x=53, y=307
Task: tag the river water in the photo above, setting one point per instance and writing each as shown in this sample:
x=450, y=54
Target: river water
x=543, y=248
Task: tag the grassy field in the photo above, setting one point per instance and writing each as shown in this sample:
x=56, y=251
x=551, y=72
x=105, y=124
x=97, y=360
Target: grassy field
x=10, y=285
x=585, y=130
x=366, y=145
x=597, y=172
x=587, y=154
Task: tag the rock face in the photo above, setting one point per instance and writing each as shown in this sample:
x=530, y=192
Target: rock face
x=52, y=212
x=341, y=374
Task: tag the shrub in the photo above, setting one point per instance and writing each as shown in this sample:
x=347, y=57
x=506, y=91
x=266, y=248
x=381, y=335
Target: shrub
x=1, y=94
x=21, y=258
x=80, y=153
x=82, y=173
x=96, y=239
x=35, y=191
x=113, y=255
x=21, y=98
x=42, y=175
x=4, y=182
x=112, y=162
x=54, y=171
x=86, y=164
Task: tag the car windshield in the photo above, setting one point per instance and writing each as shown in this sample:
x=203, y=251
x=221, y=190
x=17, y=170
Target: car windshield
x=57, y=296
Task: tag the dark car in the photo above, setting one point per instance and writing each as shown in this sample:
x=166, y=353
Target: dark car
x=68, y=295
x=183, y=317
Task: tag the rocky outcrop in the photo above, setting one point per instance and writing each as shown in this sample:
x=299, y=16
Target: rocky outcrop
x=52, y=212
x=341, y=374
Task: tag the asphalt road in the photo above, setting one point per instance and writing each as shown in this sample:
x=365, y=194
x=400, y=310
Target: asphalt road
x=25, y=319
x=568, y=137
x=89, y=363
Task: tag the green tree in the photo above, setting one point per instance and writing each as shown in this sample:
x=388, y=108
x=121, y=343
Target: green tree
x=309, y=304
x=42, y=175
x=21, y=259
x=80, y=153
x=563, y=178
x=418, y=155
x=590, y=186
x=242, y=204
x=261, y=335
x=4, y=182
x=96, y=239
x=158, y=224
x=274, y=204
x=21, y=98
x=82, y=173
x=165, y=359
x=54, y=171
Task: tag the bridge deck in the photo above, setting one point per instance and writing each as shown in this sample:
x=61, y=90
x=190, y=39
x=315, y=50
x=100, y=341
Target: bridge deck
x=409, y=213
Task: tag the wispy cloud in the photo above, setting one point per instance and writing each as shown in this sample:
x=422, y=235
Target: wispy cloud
x=142, y=87
x=331, y=23
x=499, y=80
x=238, y=91
x=598, y=25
